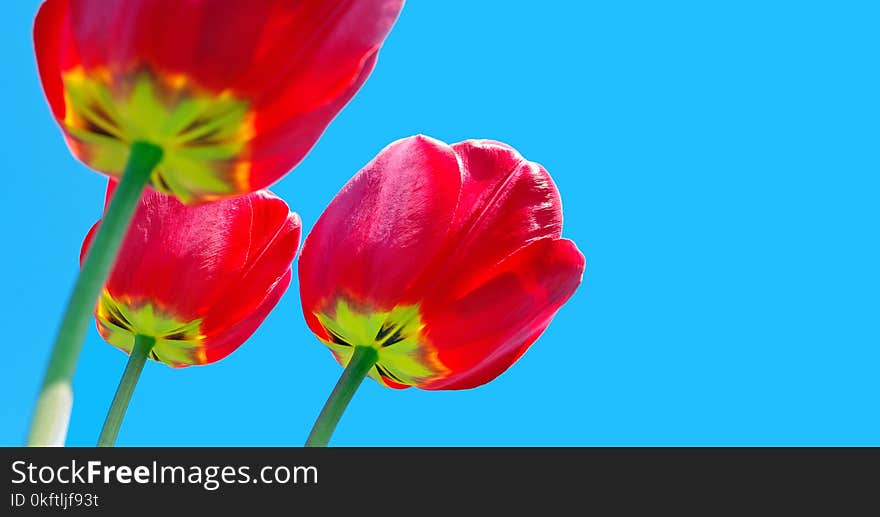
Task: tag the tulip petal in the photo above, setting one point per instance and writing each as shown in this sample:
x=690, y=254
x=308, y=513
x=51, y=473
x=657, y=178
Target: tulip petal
x=482, y=325
x=284, y=136
x=258, y=47
x=506, y=202
x=380, y=234
x=50, y=29
x=222, y=342
x=300, y=39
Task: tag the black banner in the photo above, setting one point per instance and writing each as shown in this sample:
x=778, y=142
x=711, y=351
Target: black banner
x=176, y=481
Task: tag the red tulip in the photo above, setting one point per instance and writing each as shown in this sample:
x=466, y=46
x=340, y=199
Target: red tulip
x=198, y=279
x=445, y=259
x=234, y=92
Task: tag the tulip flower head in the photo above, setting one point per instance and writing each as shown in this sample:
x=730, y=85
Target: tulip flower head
x=197, y=279
x=234, y=93
x=447, y=260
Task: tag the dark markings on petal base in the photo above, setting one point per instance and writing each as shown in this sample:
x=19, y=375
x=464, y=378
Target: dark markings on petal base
x=336, y=338
x=383, y=333
x=385, y=373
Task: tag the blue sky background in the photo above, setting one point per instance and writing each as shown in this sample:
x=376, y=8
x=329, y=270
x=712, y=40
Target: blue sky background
x=718, y=162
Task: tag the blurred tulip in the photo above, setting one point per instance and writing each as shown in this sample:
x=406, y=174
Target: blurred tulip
x=234, y=93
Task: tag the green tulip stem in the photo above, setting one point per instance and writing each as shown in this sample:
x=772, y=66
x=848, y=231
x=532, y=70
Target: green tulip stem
x=362, y=360
x=55, y=401
x=133, y=369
